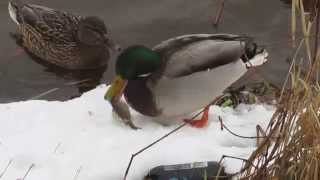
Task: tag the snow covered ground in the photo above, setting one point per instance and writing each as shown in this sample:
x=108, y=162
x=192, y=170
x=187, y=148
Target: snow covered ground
x=80, y=139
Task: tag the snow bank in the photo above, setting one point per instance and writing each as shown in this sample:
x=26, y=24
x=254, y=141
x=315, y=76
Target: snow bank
x=80, y=138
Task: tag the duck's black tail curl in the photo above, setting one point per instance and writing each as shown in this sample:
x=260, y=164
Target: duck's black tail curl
x=253, y=54
x=251, y=49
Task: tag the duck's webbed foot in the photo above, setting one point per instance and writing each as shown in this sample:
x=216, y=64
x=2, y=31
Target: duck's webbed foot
x=202, y=122
x=122, y=110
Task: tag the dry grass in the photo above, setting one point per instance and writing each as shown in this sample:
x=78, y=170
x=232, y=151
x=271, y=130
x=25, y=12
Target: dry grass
x=291, y=149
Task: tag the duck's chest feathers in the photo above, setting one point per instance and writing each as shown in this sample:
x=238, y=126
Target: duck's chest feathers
x=139, y=96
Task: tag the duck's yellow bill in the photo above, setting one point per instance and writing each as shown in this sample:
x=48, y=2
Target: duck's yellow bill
x=116, y=89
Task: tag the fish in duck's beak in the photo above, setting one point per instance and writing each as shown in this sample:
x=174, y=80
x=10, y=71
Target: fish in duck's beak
x=113, y=95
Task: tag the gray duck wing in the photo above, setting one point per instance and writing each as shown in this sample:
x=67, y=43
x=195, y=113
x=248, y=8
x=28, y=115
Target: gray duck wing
x=188, y=54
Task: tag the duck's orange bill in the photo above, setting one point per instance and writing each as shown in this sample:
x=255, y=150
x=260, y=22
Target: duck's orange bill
x=115, y=91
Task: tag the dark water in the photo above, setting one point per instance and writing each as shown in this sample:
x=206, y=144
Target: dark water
x=143, y=22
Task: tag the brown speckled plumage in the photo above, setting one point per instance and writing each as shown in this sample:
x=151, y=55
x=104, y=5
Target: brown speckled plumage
x=54, y=36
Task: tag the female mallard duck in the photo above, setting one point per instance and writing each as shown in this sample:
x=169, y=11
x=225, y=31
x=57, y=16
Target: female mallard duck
x=180, y=75
x=61, y=38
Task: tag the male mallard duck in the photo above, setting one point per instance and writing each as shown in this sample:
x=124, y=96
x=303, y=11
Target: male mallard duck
x=181, y=75
x=62, y=38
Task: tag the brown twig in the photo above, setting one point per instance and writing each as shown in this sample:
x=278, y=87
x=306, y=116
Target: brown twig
x=314, y=60
x=219, y=14
x=317, y=31
x=6, y=168
x=237, y=135
x=28, y=171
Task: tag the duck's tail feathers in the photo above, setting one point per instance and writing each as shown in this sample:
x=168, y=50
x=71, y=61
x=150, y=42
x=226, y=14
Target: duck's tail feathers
x=259, y=59
x=15, y=7
x=253, y=54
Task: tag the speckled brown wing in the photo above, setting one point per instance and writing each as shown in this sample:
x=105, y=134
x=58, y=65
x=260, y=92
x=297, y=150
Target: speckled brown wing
x=50, y=35
x=56, y=26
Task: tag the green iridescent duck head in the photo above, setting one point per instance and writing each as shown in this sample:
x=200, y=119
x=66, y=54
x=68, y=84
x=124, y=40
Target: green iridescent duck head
x=134, y=62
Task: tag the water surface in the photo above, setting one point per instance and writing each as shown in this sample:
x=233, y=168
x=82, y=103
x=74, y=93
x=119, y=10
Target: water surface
x=143, y=22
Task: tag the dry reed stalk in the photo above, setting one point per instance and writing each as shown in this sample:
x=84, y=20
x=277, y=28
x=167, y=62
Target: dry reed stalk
x=295, y=154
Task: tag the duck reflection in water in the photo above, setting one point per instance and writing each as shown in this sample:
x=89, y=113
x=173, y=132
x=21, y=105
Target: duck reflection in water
x=85, y=80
